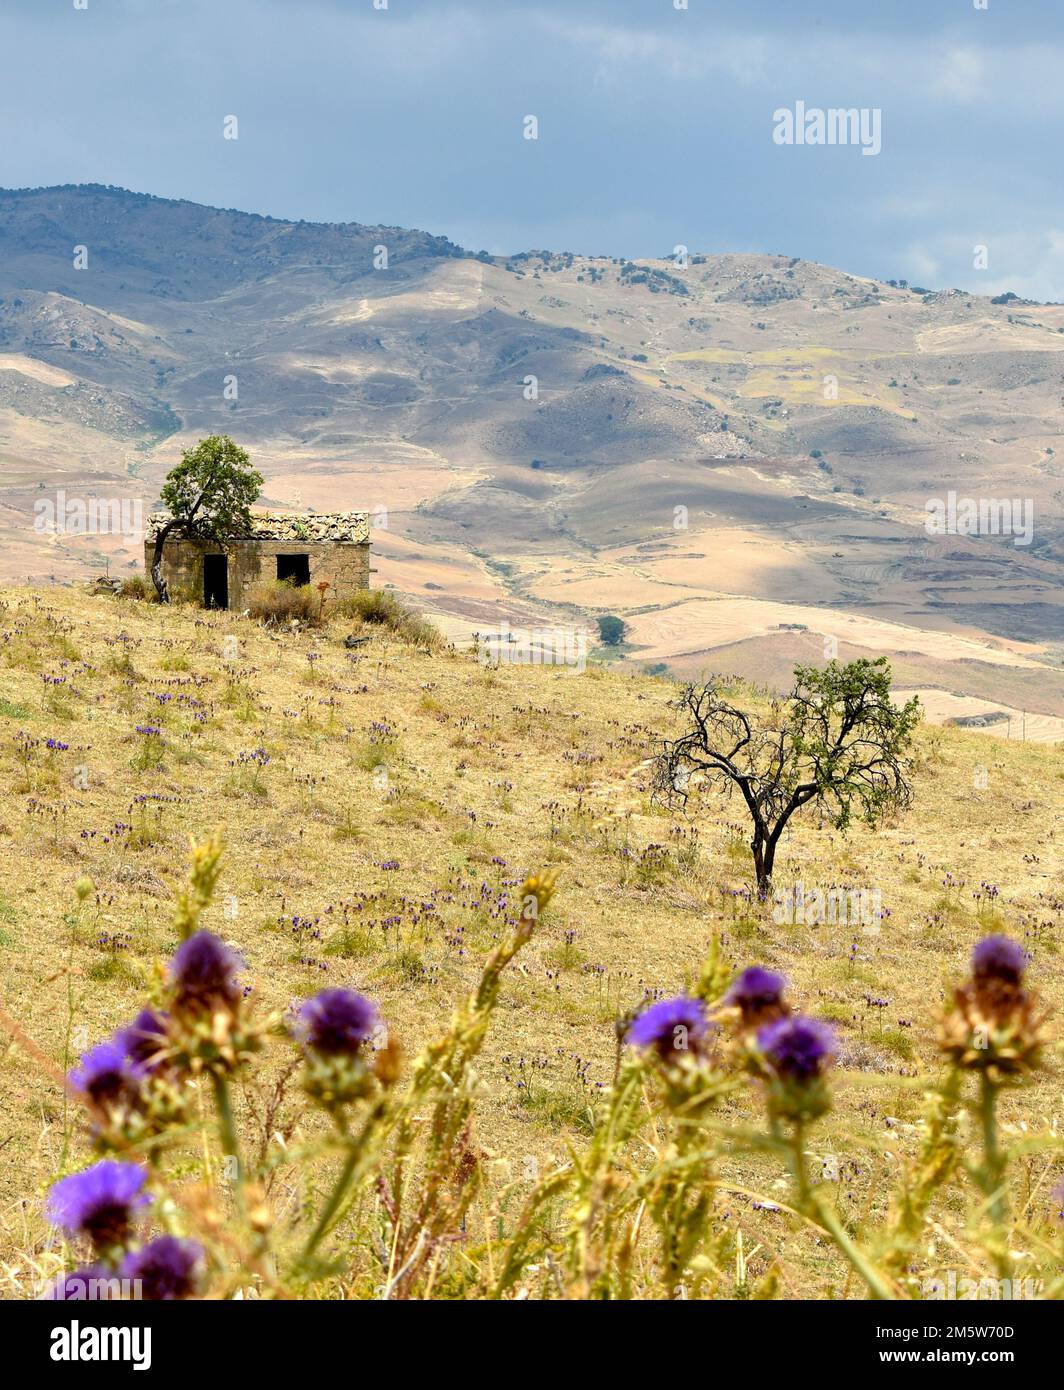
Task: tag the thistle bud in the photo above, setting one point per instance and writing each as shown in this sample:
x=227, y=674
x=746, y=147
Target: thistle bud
x=673, y=1028
x=333, y=1027
x=758, y=996
x=796, y=1053
x=207, y=1029
x=100, y=1203
x=994, y=1024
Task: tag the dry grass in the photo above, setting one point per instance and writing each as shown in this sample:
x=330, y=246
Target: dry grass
x=402, y=791
x=278, y=601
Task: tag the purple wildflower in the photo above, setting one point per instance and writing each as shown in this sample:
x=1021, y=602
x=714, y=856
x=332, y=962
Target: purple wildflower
x=756, y=985
x=165, y=1269
x=105, y=1073
x=99, y=1202
x=204, y=973
x=758, y=994
x=998, y=958
x=336, y=1021
x=797, y=1048
x=670, y=1026
x=145, y=1040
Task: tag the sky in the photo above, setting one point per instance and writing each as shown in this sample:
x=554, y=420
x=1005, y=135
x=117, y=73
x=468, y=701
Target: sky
x=657, y=122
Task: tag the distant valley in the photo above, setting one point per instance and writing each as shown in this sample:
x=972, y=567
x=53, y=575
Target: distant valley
x=734, y=454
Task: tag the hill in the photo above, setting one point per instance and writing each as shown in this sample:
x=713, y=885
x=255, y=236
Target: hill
x=381, y=805
x=547, y=434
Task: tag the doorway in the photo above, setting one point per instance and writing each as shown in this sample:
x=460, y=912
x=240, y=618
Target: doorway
x=295, y=568
x=215, y=581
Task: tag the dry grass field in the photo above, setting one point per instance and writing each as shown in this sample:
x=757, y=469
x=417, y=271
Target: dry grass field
x=379, y=803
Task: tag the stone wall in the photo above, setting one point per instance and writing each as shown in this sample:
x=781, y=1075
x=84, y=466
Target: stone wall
x=344, y=564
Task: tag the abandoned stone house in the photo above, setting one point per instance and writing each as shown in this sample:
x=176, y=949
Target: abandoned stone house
x=307, y=549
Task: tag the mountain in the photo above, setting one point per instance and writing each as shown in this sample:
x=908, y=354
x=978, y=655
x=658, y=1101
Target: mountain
x=735, y=454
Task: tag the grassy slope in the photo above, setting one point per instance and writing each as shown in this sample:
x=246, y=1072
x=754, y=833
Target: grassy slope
x=493, y=773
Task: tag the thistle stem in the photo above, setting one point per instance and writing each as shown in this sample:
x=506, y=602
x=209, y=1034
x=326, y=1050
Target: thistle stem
x=993, y=1158
x=332, y=1206
x=801, y=1178
x=230, y=1142
x=877, y=1285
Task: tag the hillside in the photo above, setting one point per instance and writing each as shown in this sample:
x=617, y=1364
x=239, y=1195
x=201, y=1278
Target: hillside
x=744, y=430
x=379, y=808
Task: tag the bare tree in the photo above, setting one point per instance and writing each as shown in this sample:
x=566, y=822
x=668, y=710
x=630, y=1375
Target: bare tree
x=838, y=739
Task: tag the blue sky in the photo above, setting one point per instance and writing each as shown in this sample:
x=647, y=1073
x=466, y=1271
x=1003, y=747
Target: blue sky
x=655, y=123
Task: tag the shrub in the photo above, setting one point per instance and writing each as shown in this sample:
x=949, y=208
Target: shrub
x=382, y=608
x=281, y=601
x=137, y=587
x=611, y=629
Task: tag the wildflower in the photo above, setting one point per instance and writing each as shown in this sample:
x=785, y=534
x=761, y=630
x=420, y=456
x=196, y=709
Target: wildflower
x=207, y=1029
x=994, y=1024
x=794, y=1055
x=99, y=1202
x=797, y=1048
x=145, y=1040
x=333, y=1027
x=998, y=958
x=671, y=1027
x=165, y=1269
x=337, y=1021
x=758, y=995
x=105, y=1074
x=203, y=975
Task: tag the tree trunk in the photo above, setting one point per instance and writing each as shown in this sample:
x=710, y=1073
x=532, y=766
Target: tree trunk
x=161, y=586
x=764, y=885
x=762, y=864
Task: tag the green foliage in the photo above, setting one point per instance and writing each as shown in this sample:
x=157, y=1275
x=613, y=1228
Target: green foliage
x=210, y=493
x=838, y=741
x=611, y=630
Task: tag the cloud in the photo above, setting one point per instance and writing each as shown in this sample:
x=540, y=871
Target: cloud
x=656, y=124
x=961, y=76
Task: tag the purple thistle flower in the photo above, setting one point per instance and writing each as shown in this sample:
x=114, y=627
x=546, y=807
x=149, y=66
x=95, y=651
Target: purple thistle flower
x=998, y=958
x=166, y=1268
x=204, y=973
x=336, y=1021
x=797, y=1047
x=99, y=1202
x=144, y=1040
x=757, y=988
x=105, y=1073
x=670, y=1026
x=82, y=1285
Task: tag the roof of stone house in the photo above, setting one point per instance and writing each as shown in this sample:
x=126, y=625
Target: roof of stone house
x=292, y=526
